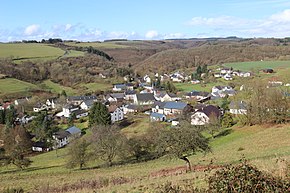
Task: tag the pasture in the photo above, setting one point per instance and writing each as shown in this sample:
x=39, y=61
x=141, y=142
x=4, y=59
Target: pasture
x=21, y=51
x=261, y=145
x=187, y=86
x=258, y=65
x=57, y=88
x=11, y=85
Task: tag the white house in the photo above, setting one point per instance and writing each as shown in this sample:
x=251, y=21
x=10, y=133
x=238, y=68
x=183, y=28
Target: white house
x=222, y=91
x=228, y=77
x=144, y=99
x=119, y=87
x=117, y=113
x=174, y=107
x=87, y=104
x=130, y=94
x=157, y=117
x=40, y=107
x=147, y=79
x=130, y=109
x=77, y=100
x=203, y=115
x=164, y=96
x=68, y=109
x=238, y=108
x=158, y=107
x=62, y=138
x=51, y=103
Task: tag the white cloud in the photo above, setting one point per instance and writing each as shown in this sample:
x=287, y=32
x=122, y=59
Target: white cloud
x=276, y=25
x=32, y=30
x=151, y=34
x=174, y=36
x=68, y=27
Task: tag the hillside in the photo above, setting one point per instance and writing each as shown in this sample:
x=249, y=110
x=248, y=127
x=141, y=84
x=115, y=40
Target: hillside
x=261, y=145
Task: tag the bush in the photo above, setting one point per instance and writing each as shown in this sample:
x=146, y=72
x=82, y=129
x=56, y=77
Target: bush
x=13, y=190
x=245, y=178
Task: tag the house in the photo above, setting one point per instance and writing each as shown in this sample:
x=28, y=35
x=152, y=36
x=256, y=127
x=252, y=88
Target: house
x=147, y=79
x=130, y=86
x=226, y=71
x=203, y=115
x=144, y=99
x=238, y=108
x=158, y=107
x=228, y=77
x=40, y=107
x=115, y=97
x=217, y=75
x=198, y=95
x=51, y=103
x=222, y=91
x=24, y=119
x=6, y=105
x=77, y=100
x=174, y=107
x=68, y=109
x=130, y=94
x=63, y=137
x=130, y=109
x=80, y=113
x=119, y=87
x=21, y=101
x=117, y=113
x=157, y=117
x=164, y=96
x=87, y=104
x=40, y=146
x=268, y=71
x=74, y=131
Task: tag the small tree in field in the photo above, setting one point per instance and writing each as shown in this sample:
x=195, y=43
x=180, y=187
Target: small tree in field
x=108, y=142
x=78, y=153
x=213, y=124
x=182, y=142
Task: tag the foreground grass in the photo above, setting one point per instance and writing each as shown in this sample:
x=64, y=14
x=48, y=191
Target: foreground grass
x=11, y=85
x=262, y=145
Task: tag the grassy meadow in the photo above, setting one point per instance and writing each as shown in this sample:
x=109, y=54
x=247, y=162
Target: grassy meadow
x=258, y=65
x=187, y=86
x=11, y=85
x=261, y=145
x=57, y=88
x=29, y=51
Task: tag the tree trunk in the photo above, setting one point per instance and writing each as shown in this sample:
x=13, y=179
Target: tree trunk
x=184, y=158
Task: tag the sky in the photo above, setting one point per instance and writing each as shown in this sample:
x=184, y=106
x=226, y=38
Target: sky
x=96, y=20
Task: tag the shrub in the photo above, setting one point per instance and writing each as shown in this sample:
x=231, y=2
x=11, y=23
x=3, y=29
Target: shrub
x=245, y=178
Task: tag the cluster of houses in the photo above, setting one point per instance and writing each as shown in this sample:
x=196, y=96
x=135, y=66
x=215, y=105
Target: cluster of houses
x=229, y=73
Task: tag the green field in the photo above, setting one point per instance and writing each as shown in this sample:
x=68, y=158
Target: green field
x=187, y=87
x=261, y=145
x=21, y=51
x=258, y=65
x=97, y=86
x=57, y=88
x=11, y=85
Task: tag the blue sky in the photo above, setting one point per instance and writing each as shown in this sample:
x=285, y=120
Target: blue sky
x=91, y=20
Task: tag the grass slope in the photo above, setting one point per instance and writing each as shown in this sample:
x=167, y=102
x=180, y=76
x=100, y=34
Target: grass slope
x=258, y=65
x=100, y=45
x=11, y=85
x=57, y=88
x=29, y=51
x=261, y=144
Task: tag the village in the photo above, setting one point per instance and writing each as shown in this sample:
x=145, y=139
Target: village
x=153, y=97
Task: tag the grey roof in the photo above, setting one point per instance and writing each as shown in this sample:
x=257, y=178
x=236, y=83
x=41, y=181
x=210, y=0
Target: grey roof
x=79, y=112
x=70, y=106
x=121, y=86
x=157, y=115
x=238, y=105
x=73, y=130
x=160, y=104
x=145, y=97
x=197, y=93
x=130, y=92
x=175, y=105
x=117, y=95
x=82, y=98
x=89, y=102
x=130, y=106
x=61, y=134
